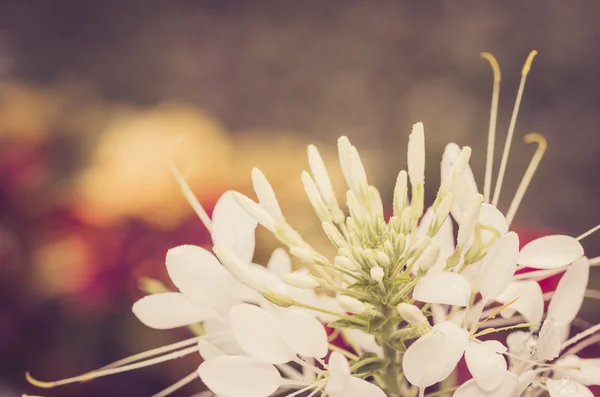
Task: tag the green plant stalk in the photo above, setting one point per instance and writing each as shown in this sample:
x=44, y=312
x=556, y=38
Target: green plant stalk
x=392, y=370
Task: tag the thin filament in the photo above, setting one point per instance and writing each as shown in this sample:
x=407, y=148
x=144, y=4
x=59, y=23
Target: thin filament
x=592, y=230
x=580, y=336
x=111, y=371
x=511, y=127
x=177, y=385
x=533, y=164
x=302, y=390
x=489, y=163
x=153, y=352
x=189, y=196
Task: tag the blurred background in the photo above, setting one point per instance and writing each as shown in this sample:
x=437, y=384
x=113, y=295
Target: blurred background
x=93, y=96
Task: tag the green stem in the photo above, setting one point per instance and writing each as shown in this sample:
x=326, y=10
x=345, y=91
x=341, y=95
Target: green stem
x=391, y=371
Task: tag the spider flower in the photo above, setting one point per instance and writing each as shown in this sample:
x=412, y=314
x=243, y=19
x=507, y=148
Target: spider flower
x=408, y=296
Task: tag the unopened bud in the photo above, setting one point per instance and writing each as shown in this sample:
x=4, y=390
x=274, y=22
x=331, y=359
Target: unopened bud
x=312, y=192
x=429, y=257
x=255, y=211
x=300, y=280
x=278, y=299
x=266, y=195
x=346, y=263
x=334, y=234
x=377, y=273
x=351, y=305
x=400, y=193
x=321, y=177
x=382, y=258
x=419, y=245
x=411, y=314
x=416, y=155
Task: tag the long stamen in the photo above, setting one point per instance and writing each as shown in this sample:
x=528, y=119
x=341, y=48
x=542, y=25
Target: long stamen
x=533, y=164
x=189, y=196
x=111, y=371
x=580, y=336
x=592, y=230
x=582, y=345
x=153, y=352
x=303, y=390
x=314, y=392
x=511, y=127
x=487, y=186
x=177, y=385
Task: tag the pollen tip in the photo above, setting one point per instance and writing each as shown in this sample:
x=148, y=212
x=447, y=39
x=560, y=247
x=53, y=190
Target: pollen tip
x=528, y=62
x=38, y=383
x=493, y=63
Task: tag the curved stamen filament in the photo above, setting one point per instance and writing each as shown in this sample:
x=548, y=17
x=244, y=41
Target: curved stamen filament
x=111, y=371
x=533, y=164
x=489, y=163
x=177, y=385
x=511, y=127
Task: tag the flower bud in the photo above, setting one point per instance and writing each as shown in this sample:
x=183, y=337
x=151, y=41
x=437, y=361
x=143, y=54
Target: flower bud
x=377, y=273
x=351, y=305
x=411, y=314
x=300, y=280
x=346, y=263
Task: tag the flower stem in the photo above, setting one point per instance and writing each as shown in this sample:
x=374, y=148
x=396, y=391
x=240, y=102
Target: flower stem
x=393, y=369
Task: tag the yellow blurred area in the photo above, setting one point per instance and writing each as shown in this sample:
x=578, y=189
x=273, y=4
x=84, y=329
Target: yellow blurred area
x=61, y=266
x=27, y=113
x=129, y=171
x=129, y=174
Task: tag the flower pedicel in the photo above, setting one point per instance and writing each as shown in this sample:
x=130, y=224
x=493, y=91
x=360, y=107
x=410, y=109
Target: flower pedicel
x=408, y=297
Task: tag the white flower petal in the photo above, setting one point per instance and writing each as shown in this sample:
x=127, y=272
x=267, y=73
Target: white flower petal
x=170, y=310
x=258, y=333
x=584, y=371
x=485, y=364
x=238, y=268
x=443, y=287
x=455, y=341
x=226, y=342
x=525, y=379
x=567, y=388
x=304, y=333
x=198, y=274
x=424, y=373
x=569, y=294
x=498, y=266
x=548, y=343
x=530, y=303
x=280, y=263
x=339, y=369
x=551, y=252
x=233, y=227
x=471, y=389
x=491, y=216
x=208, y=351
x=235, y=376
x=356, y=387
x=446, y=342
